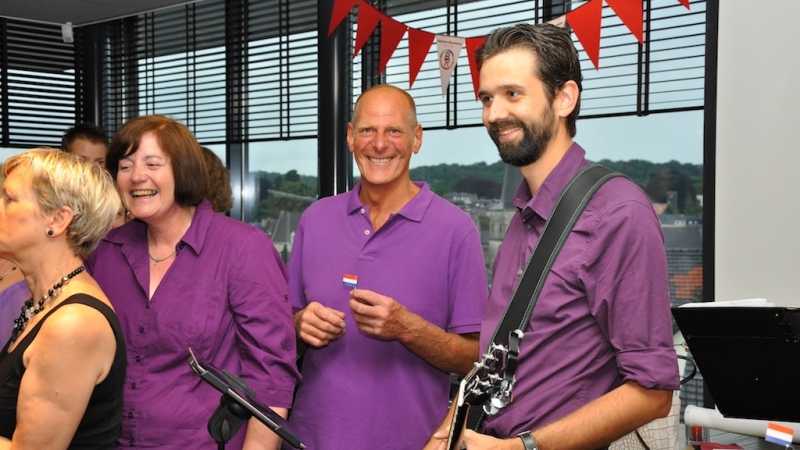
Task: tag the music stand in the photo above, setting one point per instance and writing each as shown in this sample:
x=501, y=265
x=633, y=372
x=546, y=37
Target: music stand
x=749, y=358
x=237, y=405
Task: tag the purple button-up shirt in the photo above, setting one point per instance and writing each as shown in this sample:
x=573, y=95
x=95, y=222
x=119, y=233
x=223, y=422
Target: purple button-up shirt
x=603, y=315
x=226, y=297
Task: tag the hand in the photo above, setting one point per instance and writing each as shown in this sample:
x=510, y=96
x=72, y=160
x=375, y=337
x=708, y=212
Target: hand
x=318, y=325
x=378, y=315
x=477, y=441
x=439, y=439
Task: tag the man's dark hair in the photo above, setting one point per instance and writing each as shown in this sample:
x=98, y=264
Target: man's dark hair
x=557, y=58
x=87, y=131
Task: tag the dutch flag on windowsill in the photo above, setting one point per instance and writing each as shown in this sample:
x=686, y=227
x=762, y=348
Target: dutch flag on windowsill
x=779, y=434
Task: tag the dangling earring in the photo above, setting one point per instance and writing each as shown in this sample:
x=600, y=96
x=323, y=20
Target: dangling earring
x=49, y=232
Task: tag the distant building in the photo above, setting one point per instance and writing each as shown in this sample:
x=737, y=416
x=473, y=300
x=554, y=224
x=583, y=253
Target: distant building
x=463, y=200
x=680, y=220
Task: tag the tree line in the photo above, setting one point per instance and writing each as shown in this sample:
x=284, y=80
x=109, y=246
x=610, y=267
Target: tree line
x=486, y=181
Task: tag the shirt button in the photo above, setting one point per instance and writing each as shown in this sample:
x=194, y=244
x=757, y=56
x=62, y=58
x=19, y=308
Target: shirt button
x=138, y=358
x=366, y=232
x=363, y=211
x=141, y=330
x=131, y=443
x=130, y=415
x=133, y=385
x=519, y=272
x=528, y=226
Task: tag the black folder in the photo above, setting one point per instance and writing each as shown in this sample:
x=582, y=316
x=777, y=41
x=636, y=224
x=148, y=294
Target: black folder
x=749, y=358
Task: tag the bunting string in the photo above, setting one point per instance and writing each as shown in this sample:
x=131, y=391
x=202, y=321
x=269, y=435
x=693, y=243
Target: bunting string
x=585, y=22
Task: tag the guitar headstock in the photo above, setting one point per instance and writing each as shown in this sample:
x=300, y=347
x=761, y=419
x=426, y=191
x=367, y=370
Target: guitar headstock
x=493, y=375
x=489, y=382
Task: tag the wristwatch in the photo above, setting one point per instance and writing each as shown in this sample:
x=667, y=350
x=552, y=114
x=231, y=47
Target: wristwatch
x=527, y=441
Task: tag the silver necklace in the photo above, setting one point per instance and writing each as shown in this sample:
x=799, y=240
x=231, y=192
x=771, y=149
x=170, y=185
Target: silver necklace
x=158, y=260
x=13, y=268
x=153, y=258
x=29, y=310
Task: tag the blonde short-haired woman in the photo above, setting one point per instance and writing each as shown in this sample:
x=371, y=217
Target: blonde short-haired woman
x=61, y=373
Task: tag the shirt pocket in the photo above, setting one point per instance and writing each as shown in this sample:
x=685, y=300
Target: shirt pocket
x=192, y=318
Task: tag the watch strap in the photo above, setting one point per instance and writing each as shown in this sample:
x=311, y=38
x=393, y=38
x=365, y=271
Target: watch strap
x=528, y=441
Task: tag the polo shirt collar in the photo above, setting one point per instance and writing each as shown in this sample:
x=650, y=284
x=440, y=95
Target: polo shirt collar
x=413, y=210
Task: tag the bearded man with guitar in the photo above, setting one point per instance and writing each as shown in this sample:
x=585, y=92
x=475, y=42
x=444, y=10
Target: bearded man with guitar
x=597, y=359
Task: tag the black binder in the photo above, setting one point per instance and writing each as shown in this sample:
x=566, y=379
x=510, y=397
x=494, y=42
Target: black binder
x=749, y=358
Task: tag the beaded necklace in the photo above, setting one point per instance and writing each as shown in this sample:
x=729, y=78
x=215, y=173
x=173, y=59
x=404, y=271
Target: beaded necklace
x=28, y=309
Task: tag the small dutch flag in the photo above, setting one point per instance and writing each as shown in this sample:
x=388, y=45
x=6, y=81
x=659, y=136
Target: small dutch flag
x=779, y=434
x=349, y=281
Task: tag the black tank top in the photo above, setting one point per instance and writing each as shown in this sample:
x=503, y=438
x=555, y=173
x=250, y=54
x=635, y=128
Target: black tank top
x=100, y=426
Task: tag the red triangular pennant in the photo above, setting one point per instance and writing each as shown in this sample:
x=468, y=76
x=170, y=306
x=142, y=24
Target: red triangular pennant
x=368, y=19
x=392, y=32
x=630, y=13
x=419, y=43
x=473, y=44
x=585, y=22
x=685, y=3
x=341, y=8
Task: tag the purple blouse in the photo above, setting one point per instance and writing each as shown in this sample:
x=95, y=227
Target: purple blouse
x=226, y=297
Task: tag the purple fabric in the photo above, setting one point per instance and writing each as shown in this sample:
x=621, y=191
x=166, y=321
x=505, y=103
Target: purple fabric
x=11, y=301
x=603, y=315
x=226, y=297
x=360, y=392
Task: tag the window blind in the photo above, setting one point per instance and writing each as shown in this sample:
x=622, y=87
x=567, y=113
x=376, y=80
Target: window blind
x=37, y=84
x=664, y=75
x=174, y=62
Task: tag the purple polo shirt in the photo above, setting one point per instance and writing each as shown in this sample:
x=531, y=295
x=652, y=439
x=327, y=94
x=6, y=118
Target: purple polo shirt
x=360, y=392
x=603, y=315
x=225, y=296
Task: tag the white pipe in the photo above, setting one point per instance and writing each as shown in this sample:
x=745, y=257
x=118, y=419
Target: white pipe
x=711, y=418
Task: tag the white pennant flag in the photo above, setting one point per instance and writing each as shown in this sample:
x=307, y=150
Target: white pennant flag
x=560, y=22
x=448, y=48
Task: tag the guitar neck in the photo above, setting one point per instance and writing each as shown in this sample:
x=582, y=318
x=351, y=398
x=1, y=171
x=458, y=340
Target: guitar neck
x=457, y=425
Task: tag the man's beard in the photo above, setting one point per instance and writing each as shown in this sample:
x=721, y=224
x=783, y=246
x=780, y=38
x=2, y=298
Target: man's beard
x=535, y=138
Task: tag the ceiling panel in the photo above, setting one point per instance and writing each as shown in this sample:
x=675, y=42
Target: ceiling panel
x=80, y=12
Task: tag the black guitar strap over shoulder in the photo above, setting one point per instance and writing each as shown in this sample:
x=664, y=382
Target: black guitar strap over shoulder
x=566, y=212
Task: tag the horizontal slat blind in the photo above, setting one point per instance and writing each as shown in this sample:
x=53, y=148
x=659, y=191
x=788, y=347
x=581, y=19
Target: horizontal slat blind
x=37, y=84
x=282, y=70
x=170, y=62
x=173, y=62
x=673, y=79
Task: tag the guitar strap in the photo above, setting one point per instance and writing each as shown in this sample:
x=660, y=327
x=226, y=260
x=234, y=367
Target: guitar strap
x=567, y=210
